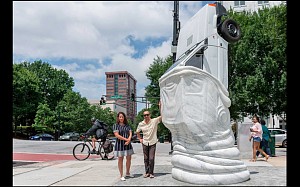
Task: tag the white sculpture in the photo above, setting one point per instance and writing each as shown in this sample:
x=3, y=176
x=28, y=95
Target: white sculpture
x=195, y=105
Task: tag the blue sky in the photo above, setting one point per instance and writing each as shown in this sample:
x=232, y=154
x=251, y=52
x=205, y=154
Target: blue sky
x=89, y=38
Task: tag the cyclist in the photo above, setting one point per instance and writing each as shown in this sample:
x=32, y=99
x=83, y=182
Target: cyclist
x=98, y=130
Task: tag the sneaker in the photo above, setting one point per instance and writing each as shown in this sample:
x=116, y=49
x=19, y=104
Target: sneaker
x=122, y=179
x=93, y=151
x=130, y=175
x=151, y=176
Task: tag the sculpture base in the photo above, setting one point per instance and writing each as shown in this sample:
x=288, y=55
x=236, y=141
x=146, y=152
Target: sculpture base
x=208, y=170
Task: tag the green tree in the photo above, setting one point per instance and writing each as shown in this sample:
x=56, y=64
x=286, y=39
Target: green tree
x=258, y=63
x=26, y=95
x=155, y=71
x=73, y=113
x=44, y=119
x=53, y=83
x=35, y=83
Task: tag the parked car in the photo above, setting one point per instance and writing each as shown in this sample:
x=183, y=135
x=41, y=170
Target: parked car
x=42, y=136
x=70, y=136
x=112, y=139
x=280, y=137
x=134, y=138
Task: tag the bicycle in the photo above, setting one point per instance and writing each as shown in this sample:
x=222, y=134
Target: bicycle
x=82, y=150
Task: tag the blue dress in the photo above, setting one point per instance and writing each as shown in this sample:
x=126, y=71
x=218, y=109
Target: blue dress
x=120, y=148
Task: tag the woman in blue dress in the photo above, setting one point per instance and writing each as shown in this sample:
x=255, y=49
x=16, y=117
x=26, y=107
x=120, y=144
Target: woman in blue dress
x=123, y=147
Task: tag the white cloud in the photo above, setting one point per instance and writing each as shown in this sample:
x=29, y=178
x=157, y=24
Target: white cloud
x=98, y=30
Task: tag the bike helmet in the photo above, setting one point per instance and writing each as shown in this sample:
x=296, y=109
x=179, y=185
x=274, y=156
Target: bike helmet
x=93, y=119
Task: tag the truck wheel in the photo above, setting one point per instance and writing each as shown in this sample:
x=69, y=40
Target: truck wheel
x=230, y=31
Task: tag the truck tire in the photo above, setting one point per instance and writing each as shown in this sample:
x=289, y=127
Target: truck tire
x=230, y=31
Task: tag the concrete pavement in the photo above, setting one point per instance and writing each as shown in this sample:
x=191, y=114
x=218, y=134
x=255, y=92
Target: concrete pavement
x=97, y=172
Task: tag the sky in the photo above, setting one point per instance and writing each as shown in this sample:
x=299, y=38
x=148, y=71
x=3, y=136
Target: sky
x=89, y=38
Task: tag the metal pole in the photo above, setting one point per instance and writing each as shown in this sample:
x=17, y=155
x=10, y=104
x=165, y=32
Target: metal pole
x=58, y=133
x=146, y=104
x=176, y=29
x=273, y=120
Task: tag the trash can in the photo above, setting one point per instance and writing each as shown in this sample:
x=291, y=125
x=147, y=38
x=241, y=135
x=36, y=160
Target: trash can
x=272, y=144
x=161, y=139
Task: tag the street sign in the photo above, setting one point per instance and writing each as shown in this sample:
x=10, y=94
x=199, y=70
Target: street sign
x=116, y=96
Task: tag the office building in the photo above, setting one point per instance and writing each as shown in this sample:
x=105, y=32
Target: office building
x=119, y=87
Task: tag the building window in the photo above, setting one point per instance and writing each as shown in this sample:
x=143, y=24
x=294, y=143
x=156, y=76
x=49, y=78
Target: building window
x=263, y=2
x=239, y=3
x=122, y=75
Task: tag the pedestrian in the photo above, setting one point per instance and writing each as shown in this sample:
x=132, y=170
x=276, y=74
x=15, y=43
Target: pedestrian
x=266, y=137
x=123, y=147
x=149, y=128
x=256, y=135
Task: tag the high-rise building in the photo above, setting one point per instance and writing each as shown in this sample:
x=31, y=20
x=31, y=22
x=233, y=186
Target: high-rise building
x=120, y=85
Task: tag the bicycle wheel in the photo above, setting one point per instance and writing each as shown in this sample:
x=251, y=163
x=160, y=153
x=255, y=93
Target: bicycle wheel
x=104, y=155
x=81, y=151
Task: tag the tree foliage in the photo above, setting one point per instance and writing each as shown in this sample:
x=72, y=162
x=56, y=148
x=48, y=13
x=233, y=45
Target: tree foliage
x=44, y=118
x=53, y=83
x=258, y=63
x=35, y=83
x=26, y=95
x=74, y=113
x=43, y=98
x=155, y=71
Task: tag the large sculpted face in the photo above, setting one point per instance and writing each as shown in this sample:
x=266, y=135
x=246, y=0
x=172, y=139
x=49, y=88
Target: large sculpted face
x=195, y=109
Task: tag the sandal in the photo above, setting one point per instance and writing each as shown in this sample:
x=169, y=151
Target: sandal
x=130, y=175
x=252, y=160
x=146, y=175
x=267, y=157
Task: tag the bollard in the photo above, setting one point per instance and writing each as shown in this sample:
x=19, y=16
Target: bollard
x=272, y=144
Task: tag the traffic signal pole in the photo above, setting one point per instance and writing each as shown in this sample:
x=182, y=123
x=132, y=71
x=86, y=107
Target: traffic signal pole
x=176, y=29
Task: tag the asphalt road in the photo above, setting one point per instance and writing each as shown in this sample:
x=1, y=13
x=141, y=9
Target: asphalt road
x=31, y=151
x=43, y=151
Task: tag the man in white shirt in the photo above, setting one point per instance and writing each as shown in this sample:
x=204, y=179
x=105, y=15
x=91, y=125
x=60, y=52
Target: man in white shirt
x=149, y=128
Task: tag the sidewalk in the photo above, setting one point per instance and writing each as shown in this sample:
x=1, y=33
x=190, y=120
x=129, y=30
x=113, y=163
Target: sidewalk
x=97, y=172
